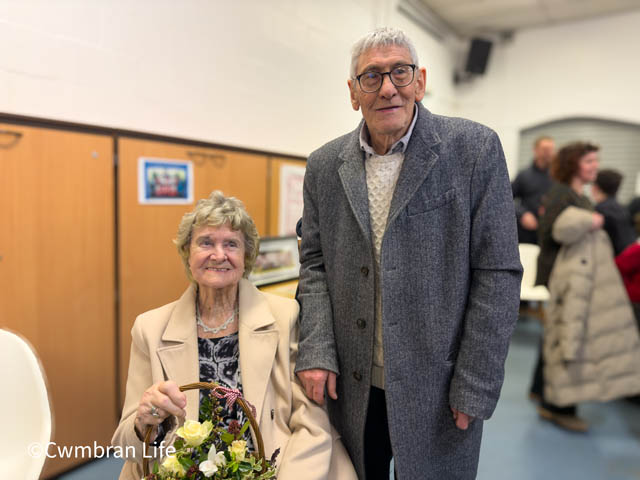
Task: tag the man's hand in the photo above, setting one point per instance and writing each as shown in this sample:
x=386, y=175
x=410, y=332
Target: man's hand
x=314, y=381
x=529, y=221
x=462, y=419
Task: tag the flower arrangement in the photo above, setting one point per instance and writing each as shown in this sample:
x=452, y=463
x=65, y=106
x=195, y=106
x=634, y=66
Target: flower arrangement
x=209, y=451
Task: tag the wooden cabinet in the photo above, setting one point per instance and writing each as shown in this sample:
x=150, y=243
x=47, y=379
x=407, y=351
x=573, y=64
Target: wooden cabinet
x=57, y=280
x=151, y=273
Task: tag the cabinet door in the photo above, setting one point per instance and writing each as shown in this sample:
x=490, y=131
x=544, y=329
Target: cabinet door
x=57, y=285
x=151, y=272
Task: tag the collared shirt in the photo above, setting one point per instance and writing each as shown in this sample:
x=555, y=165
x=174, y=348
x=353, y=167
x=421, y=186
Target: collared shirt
x=399, y=146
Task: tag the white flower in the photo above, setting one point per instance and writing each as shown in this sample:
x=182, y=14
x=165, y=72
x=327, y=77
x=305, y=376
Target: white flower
x=208, y=468
x=194, y=433
x=214, y=460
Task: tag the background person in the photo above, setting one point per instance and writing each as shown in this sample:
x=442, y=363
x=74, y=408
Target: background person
x=617, y=222
x=564, y=374
x=530, y=186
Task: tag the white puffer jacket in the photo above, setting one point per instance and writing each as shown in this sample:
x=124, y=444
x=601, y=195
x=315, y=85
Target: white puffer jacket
x=591, y=340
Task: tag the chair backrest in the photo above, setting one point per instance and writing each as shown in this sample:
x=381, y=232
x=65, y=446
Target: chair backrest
x=529, y=258
x=25, y=409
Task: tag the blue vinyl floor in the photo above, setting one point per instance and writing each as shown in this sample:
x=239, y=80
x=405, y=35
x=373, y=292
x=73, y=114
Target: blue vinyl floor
x=519, y=445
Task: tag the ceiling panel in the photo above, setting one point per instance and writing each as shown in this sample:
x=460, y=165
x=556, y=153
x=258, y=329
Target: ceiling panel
x=469, y=17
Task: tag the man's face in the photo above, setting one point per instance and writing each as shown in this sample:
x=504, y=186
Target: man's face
x=543, y=152
x=389, y=111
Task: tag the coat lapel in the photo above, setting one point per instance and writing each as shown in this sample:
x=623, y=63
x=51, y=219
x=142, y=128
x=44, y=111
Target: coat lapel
x=419, y=159
x=258, y=340
x=179, y=353
x=354, y=181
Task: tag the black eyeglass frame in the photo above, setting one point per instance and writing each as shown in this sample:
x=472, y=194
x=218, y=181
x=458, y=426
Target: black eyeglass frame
x=382, y=74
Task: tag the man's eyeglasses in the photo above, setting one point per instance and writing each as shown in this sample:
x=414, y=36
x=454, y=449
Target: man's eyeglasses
x=400, y=76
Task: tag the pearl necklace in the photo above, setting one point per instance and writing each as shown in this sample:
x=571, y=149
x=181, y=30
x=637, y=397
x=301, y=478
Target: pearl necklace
x=218, y=329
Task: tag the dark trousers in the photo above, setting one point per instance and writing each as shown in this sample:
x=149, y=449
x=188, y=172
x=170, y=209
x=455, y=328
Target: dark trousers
x=537, y=387
x=377, y=444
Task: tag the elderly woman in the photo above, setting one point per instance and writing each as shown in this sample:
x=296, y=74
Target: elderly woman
x=591, y=347
x=224, y=330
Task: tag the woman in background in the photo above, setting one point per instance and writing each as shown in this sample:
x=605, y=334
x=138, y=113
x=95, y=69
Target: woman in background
x=591, y=348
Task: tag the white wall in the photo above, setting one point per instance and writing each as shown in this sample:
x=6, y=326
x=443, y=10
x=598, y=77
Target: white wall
x=259, y=74
x=587, y=68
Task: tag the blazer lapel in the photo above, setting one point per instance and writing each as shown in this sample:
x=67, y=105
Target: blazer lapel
x=354, y=181
x=258, y=340
x=419, y=159
x=179, y=353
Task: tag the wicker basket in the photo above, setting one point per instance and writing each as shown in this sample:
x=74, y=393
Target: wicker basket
x=240, y=401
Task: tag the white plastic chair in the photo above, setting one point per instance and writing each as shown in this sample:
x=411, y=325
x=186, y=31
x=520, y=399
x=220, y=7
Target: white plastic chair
x=25, y=410
x=528, y=290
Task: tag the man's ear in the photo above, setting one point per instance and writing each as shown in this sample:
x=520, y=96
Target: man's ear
x=355, y=103
x=421, y=83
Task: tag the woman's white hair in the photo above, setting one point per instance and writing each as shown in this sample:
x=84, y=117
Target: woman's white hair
x=381, y=37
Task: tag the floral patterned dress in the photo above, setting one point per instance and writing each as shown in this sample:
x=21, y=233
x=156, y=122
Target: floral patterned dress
x=219, y=362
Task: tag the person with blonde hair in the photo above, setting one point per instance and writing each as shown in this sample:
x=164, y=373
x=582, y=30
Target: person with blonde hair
x=224, y=330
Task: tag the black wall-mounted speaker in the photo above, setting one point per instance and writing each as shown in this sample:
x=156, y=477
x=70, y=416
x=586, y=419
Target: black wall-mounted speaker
x=478, y=56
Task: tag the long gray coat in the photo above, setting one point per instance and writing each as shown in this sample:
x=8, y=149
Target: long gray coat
x=450, y=275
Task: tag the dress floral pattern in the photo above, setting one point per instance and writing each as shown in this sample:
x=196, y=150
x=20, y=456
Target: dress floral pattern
x=219, y=362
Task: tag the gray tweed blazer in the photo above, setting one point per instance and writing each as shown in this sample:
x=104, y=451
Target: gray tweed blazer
x=450, y=276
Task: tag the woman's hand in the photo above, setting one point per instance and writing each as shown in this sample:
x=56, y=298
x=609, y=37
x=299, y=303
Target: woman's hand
x=158, y=402
x=597, y=221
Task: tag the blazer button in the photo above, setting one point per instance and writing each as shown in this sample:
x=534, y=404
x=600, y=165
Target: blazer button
x=357, y=376
x=365, y=271
x=362, y=324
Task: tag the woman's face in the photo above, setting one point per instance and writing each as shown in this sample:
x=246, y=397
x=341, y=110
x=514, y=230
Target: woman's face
x=588, y=167
x=216, y=257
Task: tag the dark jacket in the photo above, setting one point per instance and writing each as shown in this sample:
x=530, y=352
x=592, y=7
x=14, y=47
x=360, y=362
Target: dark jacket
x=528, y=189
x=559, y=197
x=617, y=223
x=450, y=281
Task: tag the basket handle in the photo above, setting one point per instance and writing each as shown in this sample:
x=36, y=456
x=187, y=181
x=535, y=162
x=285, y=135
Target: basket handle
x=239, y=400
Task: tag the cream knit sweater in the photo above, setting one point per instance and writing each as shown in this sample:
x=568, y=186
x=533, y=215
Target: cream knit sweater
x=382, y=174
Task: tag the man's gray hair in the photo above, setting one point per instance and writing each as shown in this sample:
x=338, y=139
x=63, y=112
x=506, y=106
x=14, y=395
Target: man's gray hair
x=381, y=37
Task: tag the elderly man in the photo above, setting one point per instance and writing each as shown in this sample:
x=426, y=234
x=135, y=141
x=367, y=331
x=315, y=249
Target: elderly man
x=410, y=275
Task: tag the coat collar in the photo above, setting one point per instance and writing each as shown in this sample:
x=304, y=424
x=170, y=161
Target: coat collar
x=257, y=337
x=418, y=162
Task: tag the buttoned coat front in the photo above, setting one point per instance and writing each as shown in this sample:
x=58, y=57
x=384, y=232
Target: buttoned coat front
x=165, y=347
x=450, y=281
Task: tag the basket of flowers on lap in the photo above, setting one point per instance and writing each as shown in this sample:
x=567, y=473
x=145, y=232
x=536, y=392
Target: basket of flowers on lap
x=209, y=450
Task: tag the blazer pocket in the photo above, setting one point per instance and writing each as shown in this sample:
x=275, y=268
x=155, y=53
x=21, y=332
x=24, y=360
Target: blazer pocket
x=416, y=208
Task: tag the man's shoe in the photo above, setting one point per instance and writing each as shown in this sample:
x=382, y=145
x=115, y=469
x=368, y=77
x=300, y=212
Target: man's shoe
x=572, y=423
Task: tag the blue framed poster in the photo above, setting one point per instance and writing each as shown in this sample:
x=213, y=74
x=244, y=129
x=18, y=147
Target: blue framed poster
x=165, y=182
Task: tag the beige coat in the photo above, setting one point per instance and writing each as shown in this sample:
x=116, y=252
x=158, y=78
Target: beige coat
x=591, y=342
x=164, y=347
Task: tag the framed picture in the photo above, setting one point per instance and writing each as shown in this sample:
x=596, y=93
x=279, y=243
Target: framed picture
x=165, y=182
x=277, y=261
